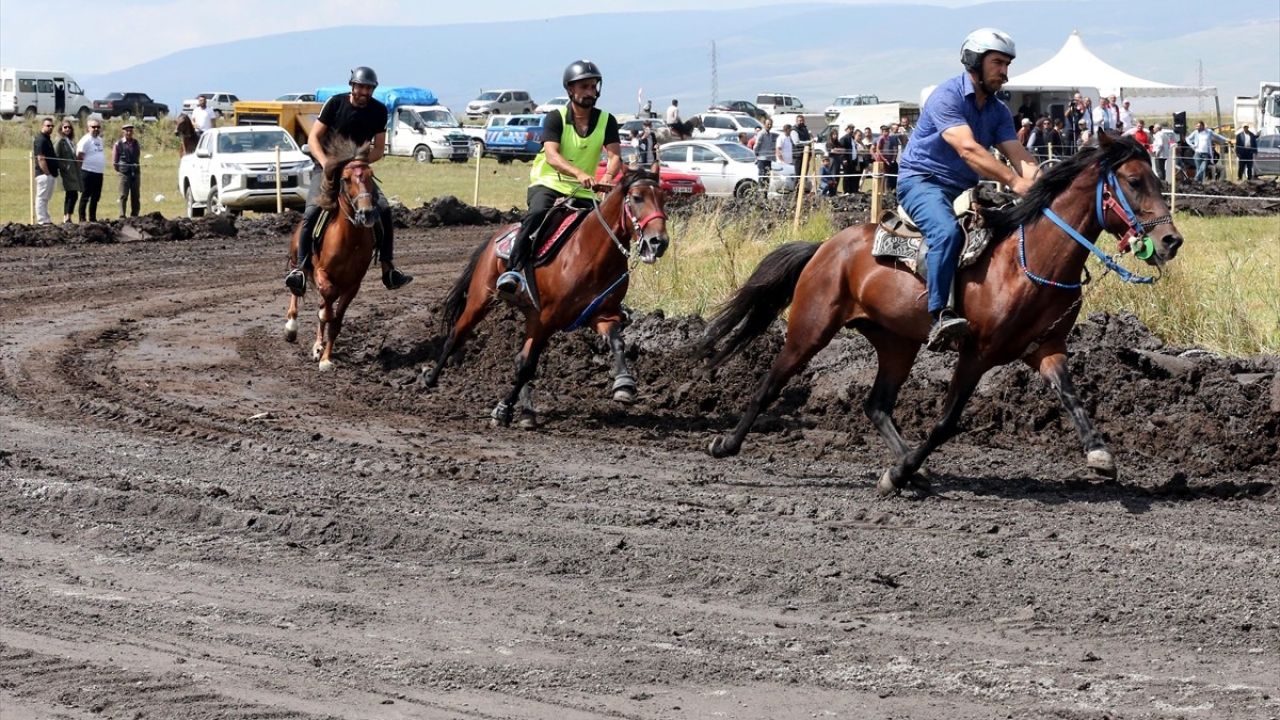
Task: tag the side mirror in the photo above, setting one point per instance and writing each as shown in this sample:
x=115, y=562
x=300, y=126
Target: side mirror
x=203, y=153
x=306, y=149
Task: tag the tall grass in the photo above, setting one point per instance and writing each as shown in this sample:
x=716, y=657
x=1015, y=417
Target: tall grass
x=1221, y=293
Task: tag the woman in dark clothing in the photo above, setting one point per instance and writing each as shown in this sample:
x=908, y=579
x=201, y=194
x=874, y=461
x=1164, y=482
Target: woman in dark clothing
x=68, y=167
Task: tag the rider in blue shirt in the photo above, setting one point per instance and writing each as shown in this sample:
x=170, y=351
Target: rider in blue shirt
x=947, y=154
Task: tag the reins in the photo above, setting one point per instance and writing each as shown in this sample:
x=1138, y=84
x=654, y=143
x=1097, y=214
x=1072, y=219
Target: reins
x=637, y=230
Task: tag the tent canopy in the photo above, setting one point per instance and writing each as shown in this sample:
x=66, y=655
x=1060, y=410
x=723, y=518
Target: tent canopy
x=1075, y=67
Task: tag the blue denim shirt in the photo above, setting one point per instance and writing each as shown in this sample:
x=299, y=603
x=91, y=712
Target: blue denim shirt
x=952, y=104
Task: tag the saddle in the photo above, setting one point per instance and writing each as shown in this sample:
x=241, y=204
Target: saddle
x=561, y=221
x=898, y=237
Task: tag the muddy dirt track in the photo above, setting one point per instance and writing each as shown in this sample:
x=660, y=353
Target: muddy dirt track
x=194, y=523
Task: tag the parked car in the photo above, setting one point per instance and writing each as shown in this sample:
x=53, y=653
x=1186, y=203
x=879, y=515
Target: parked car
x=1266, y=161
x=233, y=169
x=129, y=104
x=727, y=169
x=675, y=183
x=297, y=97
x=519, y=138
x=507, y=102
x=726, y=126
x=221, y=103
x=554, y=103
x=740, y=106
x=848, y=101
x=775, y=103
x=477, y=134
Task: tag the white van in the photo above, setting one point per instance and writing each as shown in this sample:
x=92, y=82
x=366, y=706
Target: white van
x=40, y=92
x=779, y=103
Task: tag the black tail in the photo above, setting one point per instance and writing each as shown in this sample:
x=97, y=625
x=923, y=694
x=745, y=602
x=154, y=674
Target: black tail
x=760, y=300
x=456, y=301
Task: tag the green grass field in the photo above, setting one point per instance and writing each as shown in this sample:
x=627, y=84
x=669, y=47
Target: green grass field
x=1221, y=293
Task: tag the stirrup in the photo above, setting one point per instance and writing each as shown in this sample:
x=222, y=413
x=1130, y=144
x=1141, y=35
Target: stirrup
x=947, y=333
x=296, y=281
x=394, y=279
x=510, y=285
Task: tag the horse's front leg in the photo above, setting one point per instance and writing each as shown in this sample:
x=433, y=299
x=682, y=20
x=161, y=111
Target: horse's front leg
x=291, y=320
x=968, y=372
x=1052, y=366
x=323, y=314
x=624, y=383
x=337, y=310
x=526, y=368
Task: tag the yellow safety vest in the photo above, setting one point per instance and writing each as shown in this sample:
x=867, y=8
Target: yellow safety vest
x=581, y=152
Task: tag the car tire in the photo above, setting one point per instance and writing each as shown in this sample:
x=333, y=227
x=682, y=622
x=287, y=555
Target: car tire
x=746, y=188
x=29, y=113
x=162, y=114
x=477, y=148
x=192, y=210
x=214, y=205
x=504, y=159
x=83, y=114
x=422, y=154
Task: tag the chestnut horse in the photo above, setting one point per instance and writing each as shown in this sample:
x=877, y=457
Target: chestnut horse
x=1021, y=298
x=583, y=284
x=186, y=132
x=345, y=249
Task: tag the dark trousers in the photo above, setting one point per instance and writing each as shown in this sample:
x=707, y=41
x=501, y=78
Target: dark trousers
x=92, y=193
x=540, y=199
x=1245, y=170
x=69, y=203
x=131, y=190
x=386, y=247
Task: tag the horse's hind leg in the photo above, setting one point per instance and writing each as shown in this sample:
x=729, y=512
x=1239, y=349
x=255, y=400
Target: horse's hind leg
x=526, y=368
x=624, y=383
x=1052, y=366
x=968, y=372
x=807, y=332
x=291, y=320
x=895, y=355
x=478, y=307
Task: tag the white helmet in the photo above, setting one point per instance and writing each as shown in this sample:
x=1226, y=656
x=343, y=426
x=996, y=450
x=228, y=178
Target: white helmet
x=982, y=41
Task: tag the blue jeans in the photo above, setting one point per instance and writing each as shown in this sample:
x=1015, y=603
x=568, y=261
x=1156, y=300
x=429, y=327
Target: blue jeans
x=930, y=205
x=1202, y=164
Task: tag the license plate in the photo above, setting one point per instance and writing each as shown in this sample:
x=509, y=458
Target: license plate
x=267, y=178
x=681, y=189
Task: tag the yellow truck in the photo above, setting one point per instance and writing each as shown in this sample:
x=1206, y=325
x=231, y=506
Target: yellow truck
x=295, y=117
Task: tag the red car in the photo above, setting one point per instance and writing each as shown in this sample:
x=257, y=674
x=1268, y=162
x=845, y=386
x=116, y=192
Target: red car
x=674, y=183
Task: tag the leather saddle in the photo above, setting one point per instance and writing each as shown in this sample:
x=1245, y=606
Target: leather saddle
x=898, y=237
x=561, y=221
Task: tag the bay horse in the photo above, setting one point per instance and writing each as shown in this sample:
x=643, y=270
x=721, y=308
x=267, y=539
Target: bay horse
x=684, y=130
x=186, y=132
x=584, y=284
x=344, y=250
x=1021, y=298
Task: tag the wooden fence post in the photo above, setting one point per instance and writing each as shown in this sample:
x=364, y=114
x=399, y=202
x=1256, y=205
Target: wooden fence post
x=877, y=187
x=804, y=169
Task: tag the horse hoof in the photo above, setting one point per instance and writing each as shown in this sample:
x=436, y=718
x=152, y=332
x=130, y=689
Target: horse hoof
x=528, y=421
x=291, y=331
x=624, y=395
x=1101, y=462
x=325, y=366
x=316, y=350
x=885, y=485
x=720, y=449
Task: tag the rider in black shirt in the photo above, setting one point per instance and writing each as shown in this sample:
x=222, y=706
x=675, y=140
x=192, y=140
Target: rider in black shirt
x=360, y=119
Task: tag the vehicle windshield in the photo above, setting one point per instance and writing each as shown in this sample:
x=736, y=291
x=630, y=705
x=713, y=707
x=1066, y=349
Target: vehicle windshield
x=488, y=96
x=1273, y=105
x=438, y=118
x=558, y=101
x=747, y=121
x=256, y=141
x=737, y=152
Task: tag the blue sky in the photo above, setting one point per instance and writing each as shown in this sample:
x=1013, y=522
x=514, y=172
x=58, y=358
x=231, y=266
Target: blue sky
x=85, y=36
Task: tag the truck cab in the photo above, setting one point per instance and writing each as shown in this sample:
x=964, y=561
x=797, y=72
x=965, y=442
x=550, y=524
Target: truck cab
x=426, y=133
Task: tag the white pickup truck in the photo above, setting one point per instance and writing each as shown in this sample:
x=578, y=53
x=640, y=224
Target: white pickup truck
x=426, y=133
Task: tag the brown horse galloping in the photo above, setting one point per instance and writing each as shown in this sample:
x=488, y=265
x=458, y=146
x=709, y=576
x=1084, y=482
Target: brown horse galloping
x=1021, y=298
x=584, y=284
x=344, y=251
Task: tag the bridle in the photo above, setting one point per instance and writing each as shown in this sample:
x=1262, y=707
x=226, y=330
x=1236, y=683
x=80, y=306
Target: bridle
x=629, y=213
x=350, y=206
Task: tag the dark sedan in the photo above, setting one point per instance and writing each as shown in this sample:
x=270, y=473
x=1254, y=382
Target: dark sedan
x=741, y=106
x=129, y=104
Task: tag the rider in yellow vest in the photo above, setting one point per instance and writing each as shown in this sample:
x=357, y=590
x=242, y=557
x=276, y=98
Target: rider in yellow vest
x=572, y=139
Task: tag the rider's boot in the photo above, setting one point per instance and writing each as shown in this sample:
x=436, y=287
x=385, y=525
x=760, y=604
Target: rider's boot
x=296, y=280
x=392, y=278
x=948, y=330
x=513, y=283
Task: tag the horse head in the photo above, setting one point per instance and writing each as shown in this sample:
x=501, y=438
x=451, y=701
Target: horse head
x=1130, y=203
x=348, y=183
x=646, y=220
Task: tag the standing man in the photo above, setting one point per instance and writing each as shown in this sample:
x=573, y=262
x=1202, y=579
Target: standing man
x=126, y=158
x=358, y=118
x=1126, y=116
x=766, y=150
x=1201, y=142
x=202, y=116
x=673, y=113
x=1246, y=147
x=647, y=148
x=1163, y=141
x=93, y=163
x=572, y=140
x=947, y=155
x=786, y=153
x=46, y=169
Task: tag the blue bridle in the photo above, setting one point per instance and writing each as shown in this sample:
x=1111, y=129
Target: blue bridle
x=1107, y=194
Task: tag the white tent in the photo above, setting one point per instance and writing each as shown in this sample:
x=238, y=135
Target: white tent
x=1076, y=68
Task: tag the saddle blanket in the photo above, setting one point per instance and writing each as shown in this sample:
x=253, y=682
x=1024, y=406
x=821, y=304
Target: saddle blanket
x=563, y=218
x=912, y=250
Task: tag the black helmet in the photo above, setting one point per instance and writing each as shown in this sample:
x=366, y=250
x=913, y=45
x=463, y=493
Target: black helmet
x=581, y=70
x=363, y=76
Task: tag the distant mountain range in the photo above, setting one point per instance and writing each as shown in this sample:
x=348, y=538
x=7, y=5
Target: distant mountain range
x=813, y=51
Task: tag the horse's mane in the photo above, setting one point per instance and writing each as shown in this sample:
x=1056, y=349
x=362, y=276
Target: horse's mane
x=631, y=177
x=340, y=151
x=1054, y=181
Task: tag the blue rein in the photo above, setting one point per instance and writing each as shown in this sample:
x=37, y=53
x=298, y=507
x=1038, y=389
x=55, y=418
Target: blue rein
x=1107, y=177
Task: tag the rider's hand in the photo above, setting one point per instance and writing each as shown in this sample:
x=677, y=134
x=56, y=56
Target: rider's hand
x=587, y=181
x=1022, y=185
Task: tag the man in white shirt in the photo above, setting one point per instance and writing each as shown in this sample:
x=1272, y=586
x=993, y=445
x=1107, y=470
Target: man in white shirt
x=785, y=152
x=93, y=163
x=1201, y=142
x=673, y=113
x=1126, y=116
x=1162, y=142
x=202, y=116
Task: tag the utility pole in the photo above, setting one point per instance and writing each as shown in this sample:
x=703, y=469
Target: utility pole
x=1200, y=84
x=715, y=78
